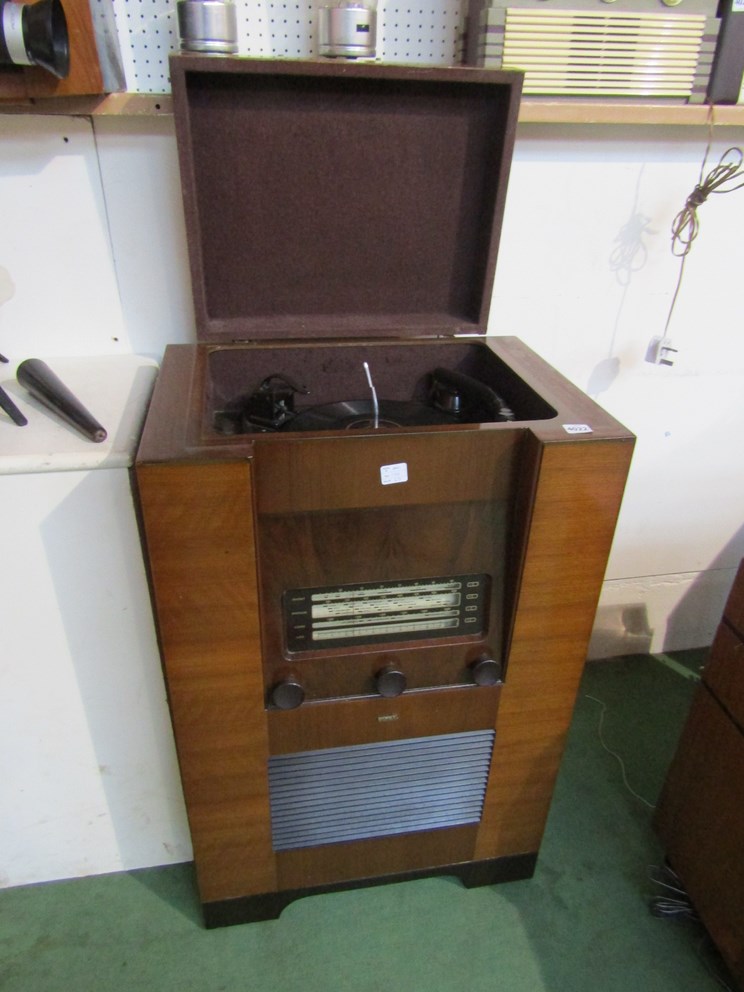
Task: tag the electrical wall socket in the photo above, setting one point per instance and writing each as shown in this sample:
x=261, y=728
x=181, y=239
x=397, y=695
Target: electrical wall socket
x=661, y=351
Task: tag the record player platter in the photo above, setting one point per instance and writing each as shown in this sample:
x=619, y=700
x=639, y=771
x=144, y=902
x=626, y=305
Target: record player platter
x=360, y=415
x=451, y=398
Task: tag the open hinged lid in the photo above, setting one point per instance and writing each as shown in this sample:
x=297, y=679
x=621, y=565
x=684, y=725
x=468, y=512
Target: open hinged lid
x=336, y=199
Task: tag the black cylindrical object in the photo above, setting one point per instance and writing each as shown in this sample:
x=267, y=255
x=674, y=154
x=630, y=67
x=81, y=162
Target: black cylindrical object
x=36, y=376
x=35, y=34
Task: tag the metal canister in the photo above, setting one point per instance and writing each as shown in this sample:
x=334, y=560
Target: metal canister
x=208, y=26
x=347, y=30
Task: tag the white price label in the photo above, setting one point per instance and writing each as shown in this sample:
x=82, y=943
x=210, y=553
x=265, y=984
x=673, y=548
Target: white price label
x=392, y=474
x=577, y=428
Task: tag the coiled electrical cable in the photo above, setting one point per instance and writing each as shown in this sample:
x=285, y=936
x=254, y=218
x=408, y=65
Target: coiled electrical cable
x=686, y=225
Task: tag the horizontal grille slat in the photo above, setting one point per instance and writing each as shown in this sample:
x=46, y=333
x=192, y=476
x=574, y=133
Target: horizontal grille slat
x=405, y=770
x=374, y=790
x=400, y=812
x=361, y=797
x=345, y=833
x=400, y=795
x=304, y=796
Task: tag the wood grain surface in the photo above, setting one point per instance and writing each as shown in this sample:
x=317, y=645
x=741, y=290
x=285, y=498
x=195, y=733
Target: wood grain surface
x=575, y=507
x=85, y=73
x=199, y=530
x=200, y=539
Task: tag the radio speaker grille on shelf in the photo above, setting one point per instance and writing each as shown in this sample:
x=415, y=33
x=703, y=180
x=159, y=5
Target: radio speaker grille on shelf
x=374, y=790
x=579, y=48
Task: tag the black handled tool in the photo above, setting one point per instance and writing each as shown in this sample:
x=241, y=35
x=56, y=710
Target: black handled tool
x=7, y=404
x=36, y=376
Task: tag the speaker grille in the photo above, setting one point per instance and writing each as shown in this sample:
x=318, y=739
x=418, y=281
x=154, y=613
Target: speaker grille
x=376, y=790
x=601, y=52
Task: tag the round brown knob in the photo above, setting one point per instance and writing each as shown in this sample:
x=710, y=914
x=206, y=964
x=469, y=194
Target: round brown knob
x=390, y=681
x=287, y=694
x=486, y=671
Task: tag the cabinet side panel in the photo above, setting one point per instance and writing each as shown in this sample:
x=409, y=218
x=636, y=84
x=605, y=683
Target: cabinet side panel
x=576, y=502
x=700, y=822
x=200, y=542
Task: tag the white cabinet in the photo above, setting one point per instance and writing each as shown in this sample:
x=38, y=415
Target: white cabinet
x=88, y=776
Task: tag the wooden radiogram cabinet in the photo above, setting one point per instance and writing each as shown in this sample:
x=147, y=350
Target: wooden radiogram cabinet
x=205, y=509
x=372, y=627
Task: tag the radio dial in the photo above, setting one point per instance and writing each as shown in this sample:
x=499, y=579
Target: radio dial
x=390, y=681
x=287, y=694
x=486, y=671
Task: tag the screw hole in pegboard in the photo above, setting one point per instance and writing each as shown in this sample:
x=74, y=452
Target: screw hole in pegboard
x=148, y=33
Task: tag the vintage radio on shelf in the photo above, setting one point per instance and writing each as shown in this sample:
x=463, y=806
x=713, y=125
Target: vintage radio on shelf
x=659, y=49
x=376, y=540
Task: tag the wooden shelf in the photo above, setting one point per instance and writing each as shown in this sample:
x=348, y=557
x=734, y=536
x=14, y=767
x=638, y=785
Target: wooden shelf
x=578, y=111
x=110, y=105
x=532, y=110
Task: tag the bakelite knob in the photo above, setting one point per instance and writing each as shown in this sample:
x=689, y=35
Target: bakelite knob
x=390, y=681
x=287, y=694
x=486, y=671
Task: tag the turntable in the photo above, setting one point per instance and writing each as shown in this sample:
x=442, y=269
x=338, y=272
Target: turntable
x=375, y=537
x=451, y=398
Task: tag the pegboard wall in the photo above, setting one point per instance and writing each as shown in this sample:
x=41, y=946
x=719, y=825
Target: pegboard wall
x=406, y=32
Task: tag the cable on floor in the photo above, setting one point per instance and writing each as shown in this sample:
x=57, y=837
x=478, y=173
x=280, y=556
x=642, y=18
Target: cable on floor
x=615, y=755
x=675, y=904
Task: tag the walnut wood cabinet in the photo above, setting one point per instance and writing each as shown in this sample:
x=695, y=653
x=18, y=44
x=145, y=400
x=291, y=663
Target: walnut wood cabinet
x=700, y=818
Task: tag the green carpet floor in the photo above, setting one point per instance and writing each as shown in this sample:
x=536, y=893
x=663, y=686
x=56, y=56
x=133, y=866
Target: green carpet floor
x=582, y=923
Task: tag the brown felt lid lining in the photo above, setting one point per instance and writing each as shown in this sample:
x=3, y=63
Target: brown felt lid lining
x=326, y=199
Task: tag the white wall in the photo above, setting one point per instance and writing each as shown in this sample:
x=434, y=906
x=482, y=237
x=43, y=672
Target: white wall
x=92, y=246
x=93, y=261
x=586, y=277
